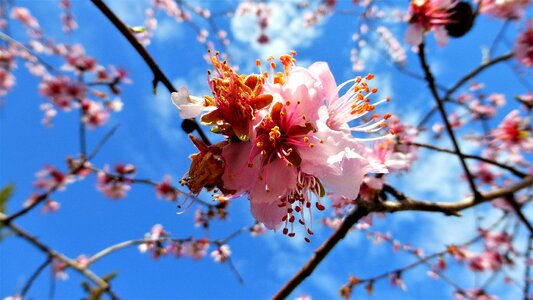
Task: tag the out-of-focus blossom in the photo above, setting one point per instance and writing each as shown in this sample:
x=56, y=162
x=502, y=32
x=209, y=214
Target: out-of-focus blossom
x=504, y=9
x=165, y=189
x=51, y=178
x=115, y=186
x=153, y=243
x=62, y=91
x=94, y=114
x=473, y=294
x=523, y=48
x=513, y=134
x=426, y=16
x=221, y=254
x=197, y=249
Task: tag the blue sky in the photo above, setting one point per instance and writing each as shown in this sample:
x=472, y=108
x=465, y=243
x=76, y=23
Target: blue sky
x=150, y=137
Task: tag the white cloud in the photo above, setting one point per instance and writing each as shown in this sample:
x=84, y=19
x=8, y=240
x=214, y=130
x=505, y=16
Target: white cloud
x=285, y=29
x=167, y=30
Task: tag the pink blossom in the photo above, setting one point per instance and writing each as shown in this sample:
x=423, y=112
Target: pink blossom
x=51, y=178
x=473, y=294
x=221, y=254
x=513, y=134
x=23, y=15
x=504, y=9
x=425, y=16
x=523, y=48
x=94, y=114
x=62, y=90
x=197, y=249
x=58, y=270
x=83, y=261
x=286, y=156
x=50, y=206
x=488, y=260
x=115, y=187
x=153, y=243
x=165, y=189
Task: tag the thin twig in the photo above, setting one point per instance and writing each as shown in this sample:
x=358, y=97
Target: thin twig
x=476, y=157
x=528, y=267
x=34, y=276
x=102, y=142
x=433, y=89
x=475, y=72
x=321, y=252
x=159, y=76
x=60, y=257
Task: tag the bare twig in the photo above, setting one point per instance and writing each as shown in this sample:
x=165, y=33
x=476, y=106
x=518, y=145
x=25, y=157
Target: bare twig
x=34, y=276
x=440, y=105
x=102, y=142
x=159, y=76
x=321, y=252
x=60, y=257
x=476, y=157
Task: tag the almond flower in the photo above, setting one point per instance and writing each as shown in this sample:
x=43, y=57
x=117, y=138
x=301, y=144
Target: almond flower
x=288, y=140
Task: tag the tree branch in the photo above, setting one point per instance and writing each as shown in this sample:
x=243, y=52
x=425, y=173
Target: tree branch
x=188, y=124
x=433, y=89
x=469, y=156
x=449, y=208
x=60, y=257
x=321, y=252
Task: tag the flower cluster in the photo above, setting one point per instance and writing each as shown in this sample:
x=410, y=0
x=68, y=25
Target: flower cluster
x=288, y=135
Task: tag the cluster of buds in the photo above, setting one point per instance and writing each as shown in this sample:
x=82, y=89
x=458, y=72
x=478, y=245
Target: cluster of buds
x=288, y=138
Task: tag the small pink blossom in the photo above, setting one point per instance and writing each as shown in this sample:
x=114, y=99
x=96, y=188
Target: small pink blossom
x=523, y=48
x=50, y=206
x=83, y=261
x=58, y=270
x=514, y=134
x=115, y=187
x=165, y=189
x=51, y=178
x=221, y=254
x=504, y=9
x=94, y=114
x=197, y=249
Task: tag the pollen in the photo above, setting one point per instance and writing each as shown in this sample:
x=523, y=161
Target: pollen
x=387, y=116
x=274, y=134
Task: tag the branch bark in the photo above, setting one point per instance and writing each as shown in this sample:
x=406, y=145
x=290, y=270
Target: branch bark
x=321, y=252
x=188, y=124
x=431, y=83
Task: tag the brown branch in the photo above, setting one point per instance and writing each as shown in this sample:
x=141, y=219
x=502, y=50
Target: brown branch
x=449, y=208
x=188, y=124
x=62, y=258
x=476, y=71
x=321, y=252
x=528, y=267
x=476, y=157
x=465, y=79
x=440, y=104
x=34, y=276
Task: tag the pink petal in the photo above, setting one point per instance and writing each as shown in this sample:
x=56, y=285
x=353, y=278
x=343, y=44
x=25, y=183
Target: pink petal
x=414, y=35
x=268, y=213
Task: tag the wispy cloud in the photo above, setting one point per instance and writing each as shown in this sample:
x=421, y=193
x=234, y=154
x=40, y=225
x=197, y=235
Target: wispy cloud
x=285, y=30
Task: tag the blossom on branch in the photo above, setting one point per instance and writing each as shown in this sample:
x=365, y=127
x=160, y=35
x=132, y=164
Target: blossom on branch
x=288, y=139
